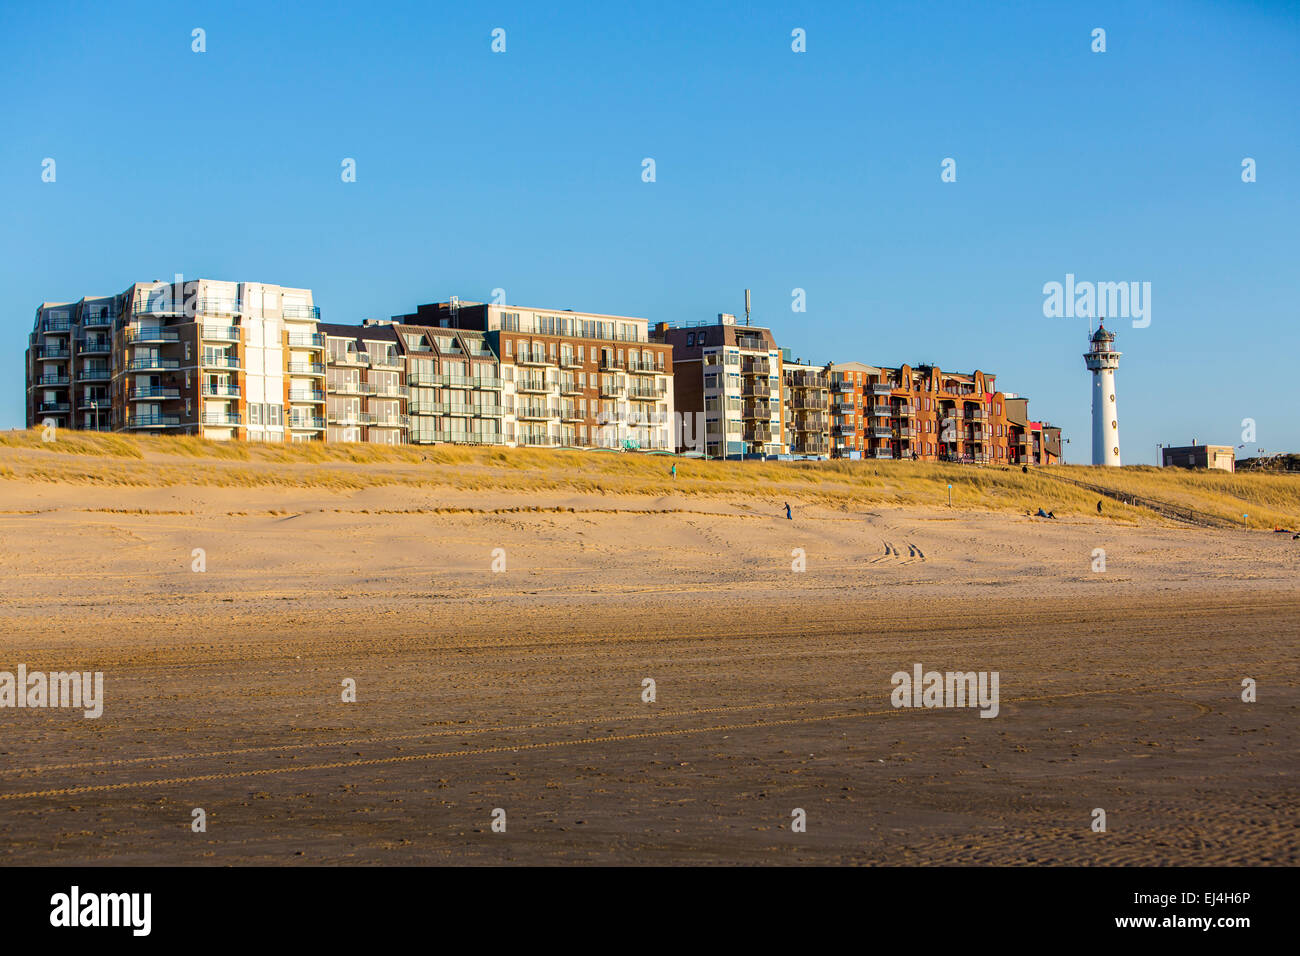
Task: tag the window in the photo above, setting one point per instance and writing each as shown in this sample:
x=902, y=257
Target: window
x=508, y=352
x=254, y=414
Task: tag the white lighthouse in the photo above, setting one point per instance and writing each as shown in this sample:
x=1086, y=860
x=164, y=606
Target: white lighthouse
x=1102, y=360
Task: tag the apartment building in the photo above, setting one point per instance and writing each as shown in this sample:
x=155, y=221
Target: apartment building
x=366, y=393
x=200, y=357
x=68, y=363
x=455, y=386
x=570, y=379
x=728, y=377
x=920, y=413
x=805, y=400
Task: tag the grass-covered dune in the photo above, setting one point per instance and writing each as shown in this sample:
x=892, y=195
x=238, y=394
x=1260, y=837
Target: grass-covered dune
x=89, y=458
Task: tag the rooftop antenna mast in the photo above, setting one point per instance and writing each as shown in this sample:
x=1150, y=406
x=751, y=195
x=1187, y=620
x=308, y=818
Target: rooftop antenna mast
x=747, y=307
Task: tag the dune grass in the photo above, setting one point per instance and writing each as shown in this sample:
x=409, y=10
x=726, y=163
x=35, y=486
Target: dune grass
x=162, y=461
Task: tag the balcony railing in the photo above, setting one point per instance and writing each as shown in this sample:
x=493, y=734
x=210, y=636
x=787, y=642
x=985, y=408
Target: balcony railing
x=881, y=388
x=219, y=391
x=152, y=421
x=220, y=418
x=94, y=403
x=306, y=368
x=136, y=334
x=47, y=352
x=148, y=362
x=610, y=389
x=56, y=325
x=50, y=380
x=93, y=375
x=569, y=360
x=313, y=396
x=646, y=393
x=97, y=320
x=221, y=333
x=54, y=407
x=311, y=422
x=300, y=341
x=880, y=411
x=531, y=384
x=152, y=392
x=302, y=312
x=539, y=440
x=99, y=346
x=569, y=386
x=642, y=368
x=878, y=431
x=220, y=361
x=534, y=412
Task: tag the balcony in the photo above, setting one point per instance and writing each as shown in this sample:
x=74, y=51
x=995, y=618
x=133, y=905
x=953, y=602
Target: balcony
x=755, y=390
x=879, y=431
x=53, y=352
x=880, y=411
x=312, y=397
x=536, y=359
x=977, y=414
x=220, y=418
x=313, y=423
x=219, y=391
x=539, y=441
x=907, y=433
x=641, y=368
x=142, y=393
x=644, y=393
x=388, y=391
x=302, y=312
x=881, y=388
x=56, y=325
x=843, y=429
x=152, y=421
x=54, y=407
x=349, y=358
x=215, y=306
x=99, y=346
x=905, y=410
x=845, y=387
x=220, y=333
x=151, y=363
x=138, y=335
x=307, y=368
x=570, y=413
x=882, y=453
x=97, y=320
x=384, y=360
x=844, y=407
x=534, y=412
x=570, y=386
x=532, y=384
x=758, y=410
x=752, y=367
x=216, y=360
x=50, y=380
x=93, y=375
x=611, y=365
x=611, y=390
x=298, y=340
x=91, y=404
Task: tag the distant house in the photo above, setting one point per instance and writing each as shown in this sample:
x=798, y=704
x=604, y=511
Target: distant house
x=1200, y=456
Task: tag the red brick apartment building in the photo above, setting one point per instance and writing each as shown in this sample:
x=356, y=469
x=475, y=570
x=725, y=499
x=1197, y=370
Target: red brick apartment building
x=920, y=413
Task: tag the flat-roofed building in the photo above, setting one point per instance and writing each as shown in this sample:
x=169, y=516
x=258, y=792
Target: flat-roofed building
x=729, y=377
x=805, y=399
x=200, y=357
x=1222, y=457
x=570, y=379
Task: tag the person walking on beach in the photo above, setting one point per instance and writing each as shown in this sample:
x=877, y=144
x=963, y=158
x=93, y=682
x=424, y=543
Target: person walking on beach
x=674, y=470
x=1098, y=506
x=787, y=512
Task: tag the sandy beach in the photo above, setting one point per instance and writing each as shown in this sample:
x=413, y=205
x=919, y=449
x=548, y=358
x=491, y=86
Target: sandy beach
x=522, y=689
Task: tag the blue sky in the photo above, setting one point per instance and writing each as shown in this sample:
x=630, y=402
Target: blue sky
x=775, y=170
